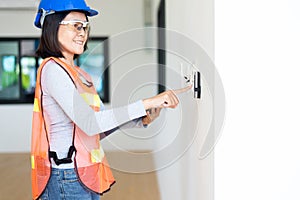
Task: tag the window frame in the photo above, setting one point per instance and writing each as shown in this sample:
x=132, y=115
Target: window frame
x=23, y=99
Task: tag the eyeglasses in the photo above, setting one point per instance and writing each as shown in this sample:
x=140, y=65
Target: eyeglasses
x=77, y=26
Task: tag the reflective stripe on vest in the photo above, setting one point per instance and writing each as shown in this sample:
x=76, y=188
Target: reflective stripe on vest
x=89, y=161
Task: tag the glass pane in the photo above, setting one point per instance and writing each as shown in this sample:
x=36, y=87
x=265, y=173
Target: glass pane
x=28, y=74
x=9, y=71
x=28, y=47
x=29, y=65
x=93, y=62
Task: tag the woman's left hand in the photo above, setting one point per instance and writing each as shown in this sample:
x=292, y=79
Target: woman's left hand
x=152, y=114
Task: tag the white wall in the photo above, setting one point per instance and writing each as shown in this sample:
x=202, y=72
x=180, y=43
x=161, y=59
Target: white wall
x=192, y=177
x=115, y=16
x=16, y=119
x=257, y=54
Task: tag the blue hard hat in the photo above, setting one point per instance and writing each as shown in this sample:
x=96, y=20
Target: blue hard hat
x=48, y=7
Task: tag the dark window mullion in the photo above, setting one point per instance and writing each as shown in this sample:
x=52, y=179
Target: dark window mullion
x=20, y=71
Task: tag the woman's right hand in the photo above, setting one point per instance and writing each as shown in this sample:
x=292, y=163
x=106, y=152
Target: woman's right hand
x=167, y=99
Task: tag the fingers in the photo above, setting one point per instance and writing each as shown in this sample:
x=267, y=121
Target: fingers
x=182, y=90
x=152, y=114
x=167, y=99
x=155, y=112
x=171, y=100
x=146, y=119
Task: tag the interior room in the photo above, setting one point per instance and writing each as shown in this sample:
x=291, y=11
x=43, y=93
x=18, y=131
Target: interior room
x=132, y=53
x=234, y=135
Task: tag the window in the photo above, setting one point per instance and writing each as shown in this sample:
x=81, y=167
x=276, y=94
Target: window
x=94, y=61
x=18, y=68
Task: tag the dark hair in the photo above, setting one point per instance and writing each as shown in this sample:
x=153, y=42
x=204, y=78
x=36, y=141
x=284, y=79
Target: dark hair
x=49, y=45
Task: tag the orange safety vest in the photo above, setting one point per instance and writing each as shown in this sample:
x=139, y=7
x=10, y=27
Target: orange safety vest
x=90, y=163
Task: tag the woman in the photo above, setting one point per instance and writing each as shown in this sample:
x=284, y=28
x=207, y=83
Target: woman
x=69, y=119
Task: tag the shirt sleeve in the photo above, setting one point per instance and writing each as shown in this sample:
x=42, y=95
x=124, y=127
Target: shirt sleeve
x=57, y=83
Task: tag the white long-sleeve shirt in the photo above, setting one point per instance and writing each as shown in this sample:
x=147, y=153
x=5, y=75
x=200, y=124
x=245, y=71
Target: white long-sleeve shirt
x=63, y=105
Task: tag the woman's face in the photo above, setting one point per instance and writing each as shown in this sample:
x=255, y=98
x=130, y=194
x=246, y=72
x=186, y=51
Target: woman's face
x=70, y=37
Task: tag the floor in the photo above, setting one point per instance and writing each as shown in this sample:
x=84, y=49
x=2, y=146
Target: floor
x=15, y=181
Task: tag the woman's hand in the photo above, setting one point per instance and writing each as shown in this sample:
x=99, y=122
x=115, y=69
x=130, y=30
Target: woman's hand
x=152, y=114
x=167, y=99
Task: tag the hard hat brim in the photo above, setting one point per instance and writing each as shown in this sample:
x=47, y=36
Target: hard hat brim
x=89, y=12
x=92, y=12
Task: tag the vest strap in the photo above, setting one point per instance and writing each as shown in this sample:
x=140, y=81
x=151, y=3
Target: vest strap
x=68, y=159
